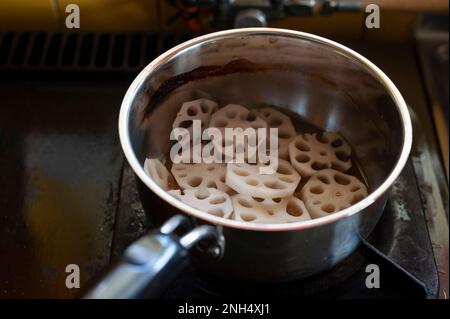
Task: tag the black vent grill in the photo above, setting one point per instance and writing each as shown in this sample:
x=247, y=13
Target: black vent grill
x=121, y=52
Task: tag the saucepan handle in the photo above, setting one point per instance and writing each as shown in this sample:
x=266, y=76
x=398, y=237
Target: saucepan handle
x=151, y=263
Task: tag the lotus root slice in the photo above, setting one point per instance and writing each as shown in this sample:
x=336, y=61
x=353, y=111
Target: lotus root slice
x=310, y=153
x=201, y=175
x=286, y=130
x=159, y=173
x=329, y=191
x=246, y=179
x=209, y=200
x=200, y=109
x=235, y=115
x=269, y=211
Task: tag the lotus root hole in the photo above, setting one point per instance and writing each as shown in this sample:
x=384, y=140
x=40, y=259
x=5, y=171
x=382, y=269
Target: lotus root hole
x=337, y=166
x=342, y=156
x=195, y=181
x=244, y=203
x=337, y=143
x=201, y=196
x=302, y=146
x=277, y=200
x=270, y=212
x=248, y=217
x=294, y=209
x=317, y=166
x=323, y=153
x=204, y=108
x=302, y=158
x=355, y=188
x=258, y=199
x=341, y=180
x=273, y=185
x=251, y=117
x=283, y=170
x=251, y=182
x=316, y=190
x=324, y=179
x=211, y=184
x=275, y=122
x=284, y=134
x=322, y=139
x=356, y=199
x=185, y=124
x=241, y=172
x=192, y=111
x=328, y=208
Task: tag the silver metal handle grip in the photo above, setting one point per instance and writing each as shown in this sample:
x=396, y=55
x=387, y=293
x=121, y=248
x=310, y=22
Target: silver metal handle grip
x=151, y=263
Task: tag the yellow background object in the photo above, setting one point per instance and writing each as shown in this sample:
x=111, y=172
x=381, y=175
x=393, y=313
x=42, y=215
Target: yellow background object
x=27, y=15
x=151, y=15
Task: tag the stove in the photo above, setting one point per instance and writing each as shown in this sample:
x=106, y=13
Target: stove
x=67, y=195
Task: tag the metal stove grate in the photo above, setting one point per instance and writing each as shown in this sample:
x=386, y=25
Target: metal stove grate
x=37, y=51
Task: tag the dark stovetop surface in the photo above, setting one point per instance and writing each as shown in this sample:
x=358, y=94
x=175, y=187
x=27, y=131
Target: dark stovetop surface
x=67, y=196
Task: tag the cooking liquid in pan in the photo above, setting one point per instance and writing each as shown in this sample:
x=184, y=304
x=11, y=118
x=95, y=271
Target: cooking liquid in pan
x=301, y=126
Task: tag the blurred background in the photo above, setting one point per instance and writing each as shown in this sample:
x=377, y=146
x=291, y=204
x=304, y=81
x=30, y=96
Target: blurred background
x=336, y=19
x=67, y=195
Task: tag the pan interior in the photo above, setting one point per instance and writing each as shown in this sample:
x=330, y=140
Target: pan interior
x=324, y=86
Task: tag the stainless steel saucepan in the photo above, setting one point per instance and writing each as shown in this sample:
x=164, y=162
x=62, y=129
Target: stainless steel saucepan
x=329, y=85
